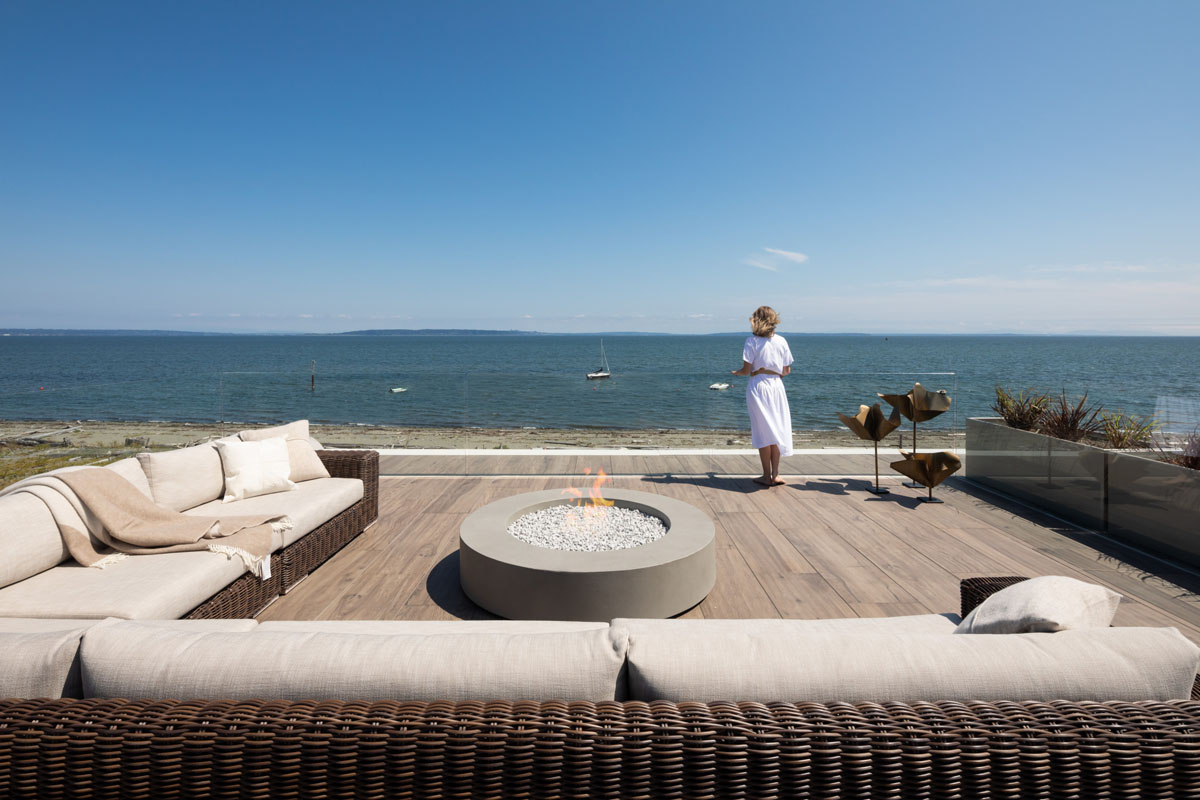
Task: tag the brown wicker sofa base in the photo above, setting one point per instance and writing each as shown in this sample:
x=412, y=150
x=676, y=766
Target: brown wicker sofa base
x=258, y=749
x=112, y=748
x=248, y=595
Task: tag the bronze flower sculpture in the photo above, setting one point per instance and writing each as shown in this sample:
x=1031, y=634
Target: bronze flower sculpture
x=928, y=469
x=870, y=424
x=919, y=405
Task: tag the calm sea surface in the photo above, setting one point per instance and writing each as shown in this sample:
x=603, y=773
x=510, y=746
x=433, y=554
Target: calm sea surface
x=538, y=381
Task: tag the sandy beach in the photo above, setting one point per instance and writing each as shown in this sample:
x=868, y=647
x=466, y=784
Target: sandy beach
x=94, y=435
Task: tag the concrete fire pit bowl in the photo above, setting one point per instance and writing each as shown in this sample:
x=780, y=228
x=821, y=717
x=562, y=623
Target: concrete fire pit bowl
x=516, y=580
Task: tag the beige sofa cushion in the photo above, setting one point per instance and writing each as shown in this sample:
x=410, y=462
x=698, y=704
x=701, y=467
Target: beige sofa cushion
x=131, y=470
x=428, y=627
x=167, y=585
x=310, y=505
x=254, y=468
x=918, y=623
x=20, y=668
x=304, y=461
x=29, y=539
x=134, y=660
x=306, y=465
x=1092, y=664
x=1046, y=604
x=293, y=430
x=40, y=663
x=185, y=478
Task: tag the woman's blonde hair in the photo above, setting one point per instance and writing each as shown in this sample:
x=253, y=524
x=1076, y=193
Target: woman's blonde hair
x=763, y=321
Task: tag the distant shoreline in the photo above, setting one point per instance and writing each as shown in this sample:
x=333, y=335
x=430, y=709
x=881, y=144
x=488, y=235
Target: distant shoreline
x=405, y=332
x=119, y=435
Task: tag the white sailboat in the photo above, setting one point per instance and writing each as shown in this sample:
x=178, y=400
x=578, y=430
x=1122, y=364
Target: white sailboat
x=603, y=371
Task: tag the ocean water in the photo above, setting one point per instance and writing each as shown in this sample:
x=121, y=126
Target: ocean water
x=538, y=381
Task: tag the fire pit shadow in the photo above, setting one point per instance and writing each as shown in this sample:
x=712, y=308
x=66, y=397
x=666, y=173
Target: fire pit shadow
x=443, y=587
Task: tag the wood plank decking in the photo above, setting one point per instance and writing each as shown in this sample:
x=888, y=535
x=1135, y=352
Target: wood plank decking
x=817, y=547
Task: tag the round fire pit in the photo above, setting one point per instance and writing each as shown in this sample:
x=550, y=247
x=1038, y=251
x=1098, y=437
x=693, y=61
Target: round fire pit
x=659, y=579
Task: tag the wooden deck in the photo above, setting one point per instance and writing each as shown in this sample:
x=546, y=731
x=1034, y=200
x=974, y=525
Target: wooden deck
x=553, y=462
x=817, y=547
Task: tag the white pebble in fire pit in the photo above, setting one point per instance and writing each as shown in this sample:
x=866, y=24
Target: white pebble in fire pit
x=589, y=530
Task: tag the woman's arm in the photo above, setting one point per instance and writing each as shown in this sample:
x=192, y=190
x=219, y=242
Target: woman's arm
x=786, y=371
x=745, y=370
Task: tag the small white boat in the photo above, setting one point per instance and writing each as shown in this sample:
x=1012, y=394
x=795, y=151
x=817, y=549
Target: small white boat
x=398, y=390
x=603, y=371
x=720, y=386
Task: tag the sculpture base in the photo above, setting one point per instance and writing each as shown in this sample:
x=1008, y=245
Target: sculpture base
x=913, y=485
x=878, y=490
x=930, y=499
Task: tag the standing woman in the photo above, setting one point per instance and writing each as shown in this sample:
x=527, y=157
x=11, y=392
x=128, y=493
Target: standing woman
x=766, y=357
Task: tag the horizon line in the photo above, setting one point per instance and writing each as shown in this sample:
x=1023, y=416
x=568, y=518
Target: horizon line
x=383, y=332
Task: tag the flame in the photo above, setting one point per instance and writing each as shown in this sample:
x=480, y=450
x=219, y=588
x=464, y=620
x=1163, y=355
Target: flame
x=594, y=499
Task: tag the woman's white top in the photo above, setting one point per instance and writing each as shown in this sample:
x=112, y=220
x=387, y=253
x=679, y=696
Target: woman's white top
x=767, y=352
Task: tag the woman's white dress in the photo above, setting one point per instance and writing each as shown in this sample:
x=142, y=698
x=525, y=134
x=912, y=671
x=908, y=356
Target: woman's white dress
x=766, y=399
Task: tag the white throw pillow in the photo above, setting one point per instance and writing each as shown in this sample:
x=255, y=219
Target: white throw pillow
x=1043, y=605
x=254, y=468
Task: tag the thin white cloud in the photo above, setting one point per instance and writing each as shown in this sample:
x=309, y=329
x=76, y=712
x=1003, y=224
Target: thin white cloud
x=774, y=259
x=798, y=258
x=306, y=316
x=700, y=316
x=344, y=316
x=1090, y=268
x=527, y=316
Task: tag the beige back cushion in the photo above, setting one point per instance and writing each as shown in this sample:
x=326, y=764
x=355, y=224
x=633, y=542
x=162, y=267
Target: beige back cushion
x=917, y=623
x=134, y=660
x=29, y=539
x=131, y=470
x=305, y=463
x=293, y=430
x=1094, y=664
x=40, y=664
x=430, y=627
x=185, y=478
x=1046, y=604
x=301, y=448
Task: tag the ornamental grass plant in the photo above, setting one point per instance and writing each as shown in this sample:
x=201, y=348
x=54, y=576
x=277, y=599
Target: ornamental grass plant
x=1072, y=423
x=1126, y=431
x=1022, y=411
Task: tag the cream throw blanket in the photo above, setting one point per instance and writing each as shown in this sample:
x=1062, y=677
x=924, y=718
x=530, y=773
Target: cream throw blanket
x=103, y=518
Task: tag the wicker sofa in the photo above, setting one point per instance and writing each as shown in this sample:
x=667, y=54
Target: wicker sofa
x=38, y=579
x=111, y=747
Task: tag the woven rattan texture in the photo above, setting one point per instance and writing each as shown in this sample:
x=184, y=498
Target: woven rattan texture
x=243, y=598
x=248, y=595
x=257, y=749
x=308, y=553
x=973, y=591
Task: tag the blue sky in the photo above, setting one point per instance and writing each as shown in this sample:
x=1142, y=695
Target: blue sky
x=561, y=166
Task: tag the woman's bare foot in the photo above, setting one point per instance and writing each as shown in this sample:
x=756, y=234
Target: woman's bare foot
x=778, y=482
x=763, y=481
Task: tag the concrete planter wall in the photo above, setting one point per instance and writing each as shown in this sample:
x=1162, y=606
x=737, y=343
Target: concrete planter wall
x=1155, y=506
x=1148, y=503
x=1065, y=478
